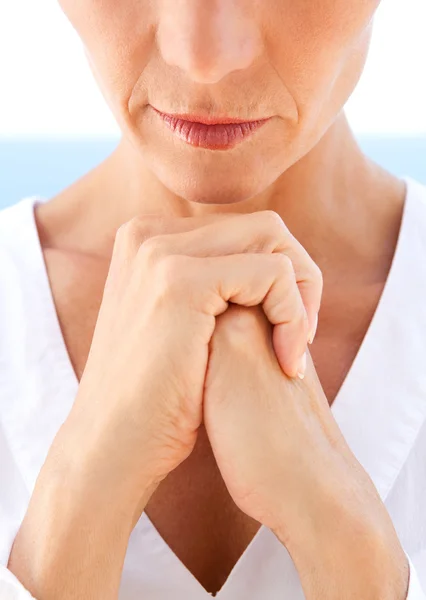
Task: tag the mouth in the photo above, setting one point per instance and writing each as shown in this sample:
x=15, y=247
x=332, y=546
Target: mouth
x=212, y=133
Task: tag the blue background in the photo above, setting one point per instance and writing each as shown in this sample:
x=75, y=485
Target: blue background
x=44, y=167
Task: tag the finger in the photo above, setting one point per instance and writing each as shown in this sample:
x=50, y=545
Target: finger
x=249, y=280
x=133, y=233
x=263, y=232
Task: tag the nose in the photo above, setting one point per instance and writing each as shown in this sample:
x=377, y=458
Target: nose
x=208, y=39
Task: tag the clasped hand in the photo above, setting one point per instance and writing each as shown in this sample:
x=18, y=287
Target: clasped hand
x=209, y=319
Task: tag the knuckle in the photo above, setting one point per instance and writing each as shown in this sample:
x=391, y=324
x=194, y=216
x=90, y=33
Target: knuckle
x=128, y=236
x=153, y=248
x=274, y=231
x=272, y=217
x=284, y=263
x=125, y=242
x=126, y=230
x=152, y=225
x=274, y=222
x=172, y=273
x=317, y=274
x=141, y=228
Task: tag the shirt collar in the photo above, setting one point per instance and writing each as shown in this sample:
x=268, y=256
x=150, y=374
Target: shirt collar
x=381, y=405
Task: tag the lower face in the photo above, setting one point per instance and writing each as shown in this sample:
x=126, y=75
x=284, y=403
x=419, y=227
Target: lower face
x=290, y=65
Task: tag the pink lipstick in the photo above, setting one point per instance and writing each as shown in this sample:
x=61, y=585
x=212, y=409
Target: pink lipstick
x=209, y=132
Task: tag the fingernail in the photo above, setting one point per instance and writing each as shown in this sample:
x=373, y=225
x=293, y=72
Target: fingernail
x=314, y=330
x=302, y=367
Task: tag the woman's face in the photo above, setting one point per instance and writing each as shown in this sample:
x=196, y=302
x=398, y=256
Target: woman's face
x=296, y=61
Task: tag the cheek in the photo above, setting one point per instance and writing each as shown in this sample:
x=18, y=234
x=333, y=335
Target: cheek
x=117, y=37
x=319, y=49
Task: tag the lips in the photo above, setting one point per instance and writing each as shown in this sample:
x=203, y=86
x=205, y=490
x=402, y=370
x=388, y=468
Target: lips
x=218, y=134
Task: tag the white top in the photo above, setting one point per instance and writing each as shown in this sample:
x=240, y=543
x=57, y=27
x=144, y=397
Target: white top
x=380, y=409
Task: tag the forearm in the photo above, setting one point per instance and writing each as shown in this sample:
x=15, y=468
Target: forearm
x=342, y=556
x=73, y=539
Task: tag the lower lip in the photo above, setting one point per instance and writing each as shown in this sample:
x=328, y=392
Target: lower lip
x=213, y=137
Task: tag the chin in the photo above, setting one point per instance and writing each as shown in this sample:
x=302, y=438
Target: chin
x=213, y=177
x=217, y=180
x=200, y=188
x=208, y=192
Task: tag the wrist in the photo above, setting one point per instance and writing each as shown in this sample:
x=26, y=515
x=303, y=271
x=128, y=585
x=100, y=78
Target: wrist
x=78, y=458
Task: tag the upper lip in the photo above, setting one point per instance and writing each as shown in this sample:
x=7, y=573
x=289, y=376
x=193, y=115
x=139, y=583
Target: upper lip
x=208, y=119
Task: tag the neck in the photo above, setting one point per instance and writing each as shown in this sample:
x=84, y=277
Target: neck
x=331, y=200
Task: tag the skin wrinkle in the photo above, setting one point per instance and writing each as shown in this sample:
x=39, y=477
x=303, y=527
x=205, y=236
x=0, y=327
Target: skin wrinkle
x=299, y=63
x=306, y=59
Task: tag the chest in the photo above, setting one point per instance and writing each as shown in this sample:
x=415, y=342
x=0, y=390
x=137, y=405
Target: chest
x=192, y=509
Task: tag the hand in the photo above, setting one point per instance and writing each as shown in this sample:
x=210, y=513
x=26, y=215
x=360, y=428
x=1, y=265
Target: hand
x=142, y=388
x=287, y=465
x=139, y=404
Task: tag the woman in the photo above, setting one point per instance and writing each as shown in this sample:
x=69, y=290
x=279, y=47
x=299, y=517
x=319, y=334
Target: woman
x=172, y=426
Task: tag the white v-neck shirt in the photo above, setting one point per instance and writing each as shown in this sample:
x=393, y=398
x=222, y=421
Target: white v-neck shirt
x=380, y=409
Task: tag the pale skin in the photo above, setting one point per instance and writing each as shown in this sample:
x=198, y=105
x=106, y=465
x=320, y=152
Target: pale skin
x=306, y=197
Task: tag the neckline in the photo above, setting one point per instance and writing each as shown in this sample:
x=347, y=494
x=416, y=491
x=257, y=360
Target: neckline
x=61, y=346
x=338, y=407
